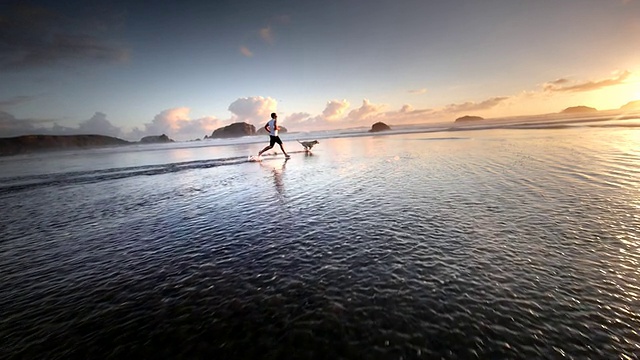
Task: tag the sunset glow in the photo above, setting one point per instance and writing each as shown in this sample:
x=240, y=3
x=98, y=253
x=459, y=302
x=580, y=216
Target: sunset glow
x=127, y=70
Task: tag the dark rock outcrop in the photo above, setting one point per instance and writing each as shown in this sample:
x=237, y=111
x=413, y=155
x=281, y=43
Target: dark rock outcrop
x=379, y=126
x=262, y=131
x=234, y=130
x=468, y=118
x=578, y=109
x=155, y=139
x=32, y=143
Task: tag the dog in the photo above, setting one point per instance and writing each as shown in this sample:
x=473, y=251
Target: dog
x=308, y=144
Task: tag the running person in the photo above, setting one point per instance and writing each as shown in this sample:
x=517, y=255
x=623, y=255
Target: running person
x=272, y=128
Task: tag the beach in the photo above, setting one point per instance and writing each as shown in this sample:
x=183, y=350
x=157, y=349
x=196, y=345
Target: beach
x=490, y=243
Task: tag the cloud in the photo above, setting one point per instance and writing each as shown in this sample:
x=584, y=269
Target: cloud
x=16, y=100
x=11, y=126
x=367, y=110
x=176, y=124
x=302, y=121
x=204, y=125
x=471, y=106
x=406, y=115
x=565, y=85
x=559, y=82
x=418, y=91
x=98, y=124
x=34, y=37
x=298, y=118
x=266, y=34
x=253, y=110
x=335, y=109
x=167, y=122
x=245, y=51
x=335, y=114
x=406, y=108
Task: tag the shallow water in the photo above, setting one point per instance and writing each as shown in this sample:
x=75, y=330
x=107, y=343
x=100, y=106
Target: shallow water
x=490, y=244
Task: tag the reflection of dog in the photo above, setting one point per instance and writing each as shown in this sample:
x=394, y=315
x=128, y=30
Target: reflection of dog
x=308, y=144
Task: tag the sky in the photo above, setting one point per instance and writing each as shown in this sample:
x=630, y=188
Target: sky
x=135, y=68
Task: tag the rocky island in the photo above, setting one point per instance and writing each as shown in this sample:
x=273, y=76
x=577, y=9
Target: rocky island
x=156, y=139
x=578, y=109
x=33, y=143
x=379, y=126
x=234, y=130
x=468, y=118
x=30, y=143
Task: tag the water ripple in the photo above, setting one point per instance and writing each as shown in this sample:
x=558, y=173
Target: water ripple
x=414, y=249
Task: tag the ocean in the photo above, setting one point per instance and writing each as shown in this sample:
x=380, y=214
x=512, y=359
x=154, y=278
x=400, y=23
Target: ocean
x=422, y=243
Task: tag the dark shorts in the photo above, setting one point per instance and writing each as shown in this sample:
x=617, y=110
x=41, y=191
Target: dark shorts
x=274, y=140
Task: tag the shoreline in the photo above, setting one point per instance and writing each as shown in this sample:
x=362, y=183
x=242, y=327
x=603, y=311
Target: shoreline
x=22, y=145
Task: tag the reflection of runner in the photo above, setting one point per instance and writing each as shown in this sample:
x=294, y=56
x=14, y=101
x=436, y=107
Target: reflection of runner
x=277, y=172
x=272, y=128
x=277, y=178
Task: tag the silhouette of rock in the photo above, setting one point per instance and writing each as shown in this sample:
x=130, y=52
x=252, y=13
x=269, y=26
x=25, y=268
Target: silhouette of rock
x=632, y=105
x=468, y=118
x=234, y=130
x=379, y=126
x=578, y=109
x=262, y=131
x=155, y=139
x=32, y=143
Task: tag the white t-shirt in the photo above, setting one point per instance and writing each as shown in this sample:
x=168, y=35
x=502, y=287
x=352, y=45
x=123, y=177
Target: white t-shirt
x=272, y=127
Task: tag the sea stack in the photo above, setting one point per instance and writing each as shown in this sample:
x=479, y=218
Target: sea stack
x=234, y=130
x=155, y=139
x=468, y=118
x=379, y=126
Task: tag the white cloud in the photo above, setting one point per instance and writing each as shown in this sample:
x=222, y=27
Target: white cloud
x=167, y=122
x=335, y=109
x=98, y=124
x=176, y=124
x=367, y=110
x=472, y=106
x=335, y=115
x=254, y=110
x=566, y=85
x=406, y=108
x=205, y=125
x=407, y=115
x=298, y=118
